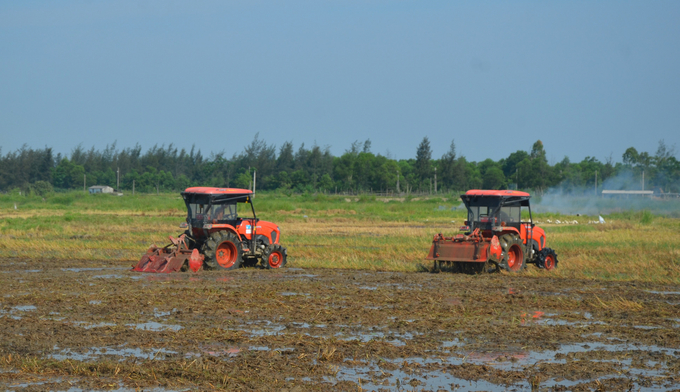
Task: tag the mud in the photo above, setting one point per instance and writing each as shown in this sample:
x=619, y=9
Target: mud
x=81, y=325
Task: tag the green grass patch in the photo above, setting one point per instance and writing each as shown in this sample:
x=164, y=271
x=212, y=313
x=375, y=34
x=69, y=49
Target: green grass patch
x=335, y=231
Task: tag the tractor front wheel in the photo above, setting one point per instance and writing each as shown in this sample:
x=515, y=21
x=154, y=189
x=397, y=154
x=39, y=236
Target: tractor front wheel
x=547, y=258
x=223, y=251
x=275, y=256
x=513, y=256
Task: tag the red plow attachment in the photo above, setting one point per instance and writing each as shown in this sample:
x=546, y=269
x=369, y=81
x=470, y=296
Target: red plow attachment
x=174, y=257
x=473, y=248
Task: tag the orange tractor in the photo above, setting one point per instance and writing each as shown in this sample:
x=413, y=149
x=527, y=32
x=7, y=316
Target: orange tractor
x=217, y=236
x=496, y=236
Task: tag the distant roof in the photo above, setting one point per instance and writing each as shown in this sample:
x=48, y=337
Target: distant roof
x=504, y=193
x=218, y=191
x=614, y=192
x=100, y=186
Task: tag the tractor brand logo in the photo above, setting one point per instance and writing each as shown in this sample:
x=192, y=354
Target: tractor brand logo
x=249, y=228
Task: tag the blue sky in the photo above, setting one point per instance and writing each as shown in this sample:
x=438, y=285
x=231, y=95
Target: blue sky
x=586, y=78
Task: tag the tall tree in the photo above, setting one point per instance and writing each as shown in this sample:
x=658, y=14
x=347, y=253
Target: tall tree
x=449, y=171
x=423, y=166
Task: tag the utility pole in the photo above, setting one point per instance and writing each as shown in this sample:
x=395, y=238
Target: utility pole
x=595, y=183
x=254, y=180
x=133, y=187
x=643, y=180
x=84, y=182
x=118, y=179
x=435, y=180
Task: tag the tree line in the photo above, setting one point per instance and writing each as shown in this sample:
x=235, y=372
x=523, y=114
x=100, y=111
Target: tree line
x=315, y=169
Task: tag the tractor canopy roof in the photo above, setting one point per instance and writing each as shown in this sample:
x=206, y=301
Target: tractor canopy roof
x=479, y=197
x=208, y=195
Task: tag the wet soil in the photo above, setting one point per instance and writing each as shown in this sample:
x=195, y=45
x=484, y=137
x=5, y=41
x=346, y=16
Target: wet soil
x=78, y=325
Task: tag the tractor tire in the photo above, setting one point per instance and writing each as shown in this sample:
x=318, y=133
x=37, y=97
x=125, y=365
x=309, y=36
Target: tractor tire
x=275, y=256
x=547, y=258
x=513, y=255
x=223, y=251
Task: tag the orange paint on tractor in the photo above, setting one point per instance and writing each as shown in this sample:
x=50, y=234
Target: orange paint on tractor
x=500, y=232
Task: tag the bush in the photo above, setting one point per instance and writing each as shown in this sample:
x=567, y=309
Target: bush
x=41, y=188
x=646, y=217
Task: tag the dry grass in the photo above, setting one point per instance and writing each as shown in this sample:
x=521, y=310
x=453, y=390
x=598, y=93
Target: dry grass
x=372, y=235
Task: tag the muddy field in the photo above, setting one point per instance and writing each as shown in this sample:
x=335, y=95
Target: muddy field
x=92, y=325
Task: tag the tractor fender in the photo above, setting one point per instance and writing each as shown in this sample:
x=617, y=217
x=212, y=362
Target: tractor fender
x=508, y=229
x=222, y=227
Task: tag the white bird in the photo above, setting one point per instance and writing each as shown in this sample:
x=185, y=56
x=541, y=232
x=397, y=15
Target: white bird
x=601, y=219
x=15, y=206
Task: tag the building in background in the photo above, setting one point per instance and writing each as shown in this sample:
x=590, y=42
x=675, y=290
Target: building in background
x=100, y=189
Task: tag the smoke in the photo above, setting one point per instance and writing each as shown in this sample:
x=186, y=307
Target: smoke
x=584, y=200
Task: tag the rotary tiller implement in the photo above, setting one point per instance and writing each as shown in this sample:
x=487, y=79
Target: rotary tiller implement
x=173, y=257
x=497, y=236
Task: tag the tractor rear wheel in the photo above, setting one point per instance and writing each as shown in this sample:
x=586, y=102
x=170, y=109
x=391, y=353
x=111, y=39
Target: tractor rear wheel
x=513, y=255
x=223, y=251
x=547, y=258
x=274, y=256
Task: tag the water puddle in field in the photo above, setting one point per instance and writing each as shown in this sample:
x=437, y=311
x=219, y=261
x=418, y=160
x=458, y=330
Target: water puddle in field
x=95, y=302
x=232, y=351
x=261, y=328
x=50, y=383
x=664, y=292
x=372, y=378
x=93, y=269
x=452, y=343
x=394, y=338
x=108, y=276
x=431, y=373
x=216, y=351
x=16, y=312
x=517, y=359
x=88, y=325
x=290, y=294
x=25, y=308
x=302, y=276
x=153, y=326
x=548, y=319
x=95, y=352
x=21, y=271
x=158, y=313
